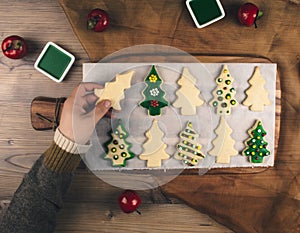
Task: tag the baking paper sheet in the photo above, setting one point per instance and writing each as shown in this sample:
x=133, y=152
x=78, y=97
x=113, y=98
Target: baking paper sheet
x=137, y=122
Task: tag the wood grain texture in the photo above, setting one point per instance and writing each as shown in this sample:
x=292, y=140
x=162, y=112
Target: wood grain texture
x=20, y=145
x=267, y=201
x=276, y=38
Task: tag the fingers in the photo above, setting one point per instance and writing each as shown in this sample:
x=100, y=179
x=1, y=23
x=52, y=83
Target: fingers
x=101, y=109
x=83, y=96
x=91, y=99
x=83, y=88
x=88, y=87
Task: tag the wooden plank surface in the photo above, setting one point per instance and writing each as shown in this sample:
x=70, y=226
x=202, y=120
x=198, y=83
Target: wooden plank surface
x=276, y=38
x=262, y=202
x=91, y=204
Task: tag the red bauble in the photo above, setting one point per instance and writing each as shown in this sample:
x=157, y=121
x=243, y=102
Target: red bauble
x=248, y=14
x=14, y=47
x=97, y=20
x=129, y=201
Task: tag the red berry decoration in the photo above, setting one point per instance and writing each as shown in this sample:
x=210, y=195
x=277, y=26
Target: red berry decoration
x=97, y=20
x=14, y=47
x=129, y=201
x=248, y=14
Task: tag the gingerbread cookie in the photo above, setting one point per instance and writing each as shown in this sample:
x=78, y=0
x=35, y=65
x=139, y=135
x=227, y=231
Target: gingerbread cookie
x=153, y=94
x=154, y=148
x=188, y=94
x=118, y=149
x=223, y=143
x=257, y=95
x=114, y=91
x=224, y=94
x=256, y=146
x=188, y=150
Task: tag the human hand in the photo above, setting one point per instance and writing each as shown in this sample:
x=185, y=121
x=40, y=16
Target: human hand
x=80, y=114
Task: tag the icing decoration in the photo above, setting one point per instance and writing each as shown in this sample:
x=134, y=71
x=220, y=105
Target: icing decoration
x=153, y=94
x=114, y=91
x=223, y=143
x=257, y=95
x=256, y=147
x=188, y=94
x=154, y=148
x=224, y=94
x=188, y=150
x=118, y=149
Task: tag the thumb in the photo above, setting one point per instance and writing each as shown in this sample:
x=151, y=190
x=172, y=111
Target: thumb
x=101, y=109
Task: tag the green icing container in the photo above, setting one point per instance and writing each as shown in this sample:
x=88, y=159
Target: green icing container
x=54, y=62
x=205, y=12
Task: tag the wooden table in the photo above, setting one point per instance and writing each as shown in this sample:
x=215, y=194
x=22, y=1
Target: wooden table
x=91, y=204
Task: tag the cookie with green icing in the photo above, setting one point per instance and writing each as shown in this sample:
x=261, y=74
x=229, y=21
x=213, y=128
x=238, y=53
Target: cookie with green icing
x=256, y=146
x=154, y=99
x=117, y=148
x=224, y=93
x=188, y=150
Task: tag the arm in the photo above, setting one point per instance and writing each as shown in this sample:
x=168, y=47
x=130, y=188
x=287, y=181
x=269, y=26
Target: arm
x=40, y=195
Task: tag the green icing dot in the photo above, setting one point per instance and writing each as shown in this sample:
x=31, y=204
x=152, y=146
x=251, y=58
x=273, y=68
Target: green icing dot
x=219, y=92
x=227, y=82
x=223, y=105
x=115, y=142
x=219, y=80
x=215, y=103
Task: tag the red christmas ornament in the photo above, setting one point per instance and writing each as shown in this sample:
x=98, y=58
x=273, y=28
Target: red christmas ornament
x=129, y=201
x=14, y=47
x=248, y=13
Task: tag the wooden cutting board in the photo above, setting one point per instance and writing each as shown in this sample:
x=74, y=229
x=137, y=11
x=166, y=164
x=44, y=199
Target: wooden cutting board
x=224, y=194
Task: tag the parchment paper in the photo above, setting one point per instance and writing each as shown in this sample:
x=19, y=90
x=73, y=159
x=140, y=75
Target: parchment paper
x=137, y=121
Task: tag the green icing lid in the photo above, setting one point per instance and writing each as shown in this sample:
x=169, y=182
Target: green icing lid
x=54, y=62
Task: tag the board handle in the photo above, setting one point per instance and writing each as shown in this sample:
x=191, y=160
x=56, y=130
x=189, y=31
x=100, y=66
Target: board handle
x=45, y=112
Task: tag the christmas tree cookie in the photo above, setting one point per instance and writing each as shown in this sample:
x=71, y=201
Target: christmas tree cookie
x=224, y=94
x=257, y=95
x=114, y=91
x=223, y=143
x=153, y=94
x=188, y=94
x=118, y=149
x=188, y=150
x=256, y=147
x=154, y=148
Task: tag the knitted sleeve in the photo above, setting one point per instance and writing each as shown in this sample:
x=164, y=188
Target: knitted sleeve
x=40, y=195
